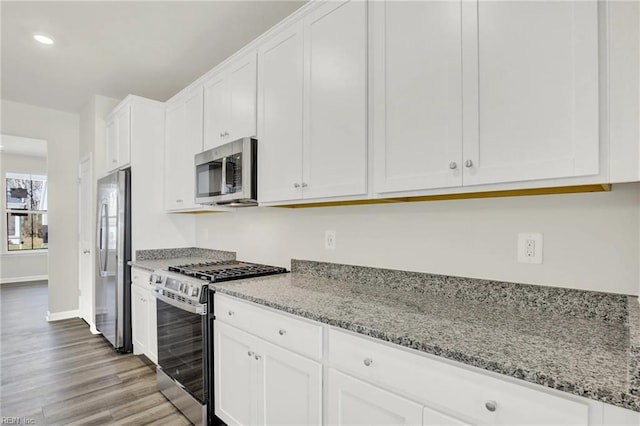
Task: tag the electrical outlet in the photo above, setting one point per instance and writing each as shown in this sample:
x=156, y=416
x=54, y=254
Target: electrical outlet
x=330, y=240
x=529, y=247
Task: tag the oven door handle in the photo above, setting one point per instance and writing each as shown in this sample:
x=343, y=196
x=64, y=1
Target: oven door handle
x=189, y=308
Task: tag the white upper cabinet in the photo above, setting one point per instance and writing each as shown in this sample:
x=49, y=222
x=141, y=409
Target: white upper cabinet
x=313, y=107
x=230, y=103
x=183, y=140
x=335, y=108
x=484, y=92
x=530, y=90
x=119, y=138
x=417, y=95
x=280, y=101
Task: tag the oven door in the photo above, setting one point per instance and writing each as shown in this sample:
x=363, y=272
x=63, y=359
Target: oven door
x=182, y=351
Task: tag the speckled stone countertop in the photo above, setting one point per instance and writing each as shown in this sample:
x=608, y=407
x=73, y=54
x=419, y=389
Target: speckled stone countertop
x=163, y=258
x=594, y=354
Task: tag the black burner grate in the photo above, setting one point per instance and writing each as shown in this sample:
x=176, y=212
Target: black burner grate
x=226, y=270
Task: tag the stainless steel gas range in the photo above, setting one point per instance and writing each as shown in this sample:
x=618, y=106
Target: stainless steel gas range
x=185, y=326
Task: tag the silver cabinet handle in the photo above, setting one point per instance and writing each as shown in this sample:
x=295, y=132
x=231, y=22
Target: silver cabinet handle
x=368, y=361
x=282, y=331
x=221, y=135
x=304, y=185
x=250, y=353
x=257, y=357
x=453, y=165
x=226, y=133
x=178, y=201
x=113, y=161
x=491, y=406
x=230, y=313
x=296, y=185
x=468, y=163
x=86, y=251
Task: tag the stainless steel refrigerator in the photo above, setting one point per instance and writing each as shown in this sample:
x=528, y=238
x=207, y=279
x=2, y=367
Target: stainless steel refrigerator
x=113, y=252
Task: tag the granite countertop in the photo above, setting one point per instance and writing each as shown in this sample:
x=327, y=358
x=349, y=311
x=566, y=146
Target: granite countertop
x=163, y=258
x=592, y=357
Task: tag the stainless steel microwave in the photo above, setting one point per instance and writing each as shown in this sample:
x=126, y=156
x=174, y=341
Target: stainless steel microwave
x=227, y=174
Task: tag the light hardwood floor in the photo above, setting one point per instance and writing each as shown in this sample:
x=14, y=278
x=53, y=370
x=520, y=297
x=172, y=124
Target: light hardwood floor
x=58, y=373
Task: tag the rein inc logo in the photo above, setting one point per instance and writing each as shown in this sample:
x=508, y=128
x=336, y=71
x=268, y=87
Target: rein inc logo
x=17, y=421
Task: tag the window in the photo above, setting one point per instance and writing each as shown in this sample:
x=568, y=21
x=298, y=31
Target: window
x=26, y=202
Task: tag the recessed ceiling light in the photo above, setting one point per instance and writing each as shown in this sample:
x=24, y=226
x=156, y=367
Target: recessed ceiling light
x=43, y=39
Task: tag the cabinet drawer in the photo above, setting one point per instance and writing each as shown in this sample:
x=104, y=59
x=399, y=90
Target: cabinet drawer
x=450, y=388
x=140, y=277
x=282, y=329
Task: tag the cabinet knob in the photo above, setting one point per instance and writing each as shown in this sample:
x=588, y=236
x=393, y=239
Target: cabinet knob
x=87, y=252
x=221, y=135
x=468, y=163
x=178, y=201
x=491, y=406
x=296, y=185
x=282, y=332
x=113, y=161
x=226, y=133
x=453, y=165
x=304, y=184
x=230, y=313
x=257, y=357
x=250, y=353
x=368, y=361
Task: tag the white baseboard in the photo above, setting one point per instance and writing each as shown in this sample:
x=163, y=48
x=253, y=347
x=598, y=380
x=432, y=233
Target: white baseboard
x=93, y=329
x=24, y=279
x=57, y=316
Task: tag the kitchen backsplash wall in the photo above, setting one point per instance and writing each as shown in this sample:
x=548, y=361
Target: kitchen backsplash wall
x=591, y=241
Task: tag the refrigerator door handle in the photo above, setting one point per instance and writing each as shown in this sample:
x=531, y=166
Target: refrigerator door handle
x=102, y=249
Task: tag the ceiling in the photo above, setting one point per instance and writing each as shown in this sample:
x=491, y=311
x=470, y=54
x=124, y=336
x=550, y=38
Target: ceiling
x=147, y=48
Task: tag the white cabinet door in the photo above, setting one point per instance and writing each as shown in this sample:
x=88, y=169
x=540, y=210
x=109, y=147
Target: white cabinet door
x=431, y=417
x=183, y=140
x=417, y=95
x=335, y=106
x=216, y=112
x=173, y=166
x=112, y=145
x=242, y=98
x=235, y=373
x=152, y=326
x=533, y=68
x=139, y=319
x=123, y=120
x=280, y=100
x=354, y=402
x=119, y=139
x=290, y=387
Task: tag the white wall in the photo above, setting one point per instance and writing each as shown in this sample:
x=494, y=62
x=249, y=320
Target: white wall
x=28, y=265
x=151, y=227
x=590, y=240
x=61, y=131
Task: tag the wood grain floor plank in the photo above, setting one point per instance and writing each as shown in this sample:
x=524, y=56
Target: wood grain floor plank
x=58, y=373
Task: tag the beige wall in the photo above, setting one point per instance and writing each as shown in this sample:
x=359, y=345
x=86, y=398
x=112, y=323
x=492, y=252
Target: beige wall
x=24, y=266
x=61, y=130
x=590, y=240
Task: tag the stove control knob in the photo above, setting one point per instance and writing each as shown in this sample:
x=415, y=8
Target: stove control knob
x=194, y=292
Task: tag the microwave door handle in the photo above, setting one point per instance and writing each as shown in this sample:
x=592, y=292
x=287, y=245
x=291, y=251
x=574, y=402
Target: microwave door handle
x=223, y=190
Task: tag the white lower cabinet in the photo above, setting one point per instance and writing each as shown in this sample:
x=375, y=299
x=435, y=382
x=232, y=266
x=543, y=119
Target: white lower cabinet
x=258, y=383
x=269, y=368
x=143, y=316
x=354, y=402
